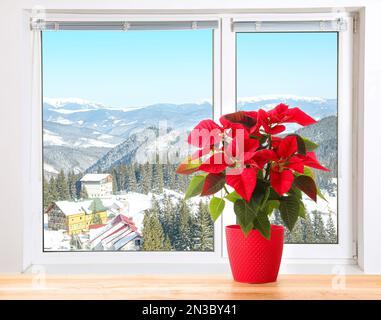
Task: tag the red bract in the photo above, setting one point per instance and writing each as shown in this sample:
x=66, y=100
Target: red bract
x=206, y=133
x=246, y=148
x=216, y=163
x=271, y=120
x=241, y=120
x=243, y=181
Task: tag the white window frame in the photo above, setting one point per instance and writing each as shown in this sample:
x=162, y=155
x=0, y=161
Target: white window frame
x=224, y=101
x=344, y=250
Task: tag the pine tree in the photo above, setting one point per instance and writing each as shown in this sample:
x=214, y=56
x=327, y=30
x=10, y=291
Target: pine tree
x=183, y=239
x=167, y=244
x=319, y=228
x=158, y=178
x=168, y=218
x=48, y=199
x=153, y=235
x=204, y=229
x=171, y=177
x=71, y=181
x=123, y=177
x=62, y=186
x=115, y=180
x=96, y=219
x=297, y=232
x=331, y=230
x=131, y=179
x=308, y=230
x=53, y=192
x=146, y=179
x=83, y=193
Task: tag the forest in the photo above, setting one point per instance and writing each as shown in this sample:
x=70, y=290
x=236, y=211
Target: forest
x=172, y=223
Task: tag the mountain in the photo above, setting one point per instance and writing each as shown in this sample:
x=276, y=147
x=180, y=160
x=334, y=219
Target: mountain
x=69, y=147
x=123, y=122
x=140, y=148
x=145, y=147
x=324, y=133
x=316, y=107
x=77, y=132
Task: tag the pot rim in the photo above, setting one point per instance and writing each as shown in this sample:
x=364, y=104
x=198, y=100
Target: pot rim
x=274, y=227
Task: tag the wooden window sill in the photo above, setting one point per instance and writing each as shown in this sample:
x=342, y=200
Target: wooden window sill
x=187, y=287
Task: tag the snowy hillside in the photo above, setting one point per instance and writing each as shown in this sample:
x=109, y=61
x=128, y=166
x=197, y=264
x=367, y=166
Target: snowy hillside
x=77, y=132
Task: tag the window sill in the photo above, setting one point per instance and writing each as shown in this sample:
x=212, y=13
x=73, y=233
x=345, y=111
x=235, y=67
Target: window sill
x=288, y=267
x=190, y=286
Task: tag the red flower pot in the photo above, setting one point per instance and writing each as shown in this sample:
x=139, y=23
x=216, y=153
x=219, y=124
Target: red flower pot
x=254, y=259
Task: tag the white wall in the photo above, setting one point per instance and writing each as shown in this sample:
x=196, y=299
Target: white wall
x=15, y=179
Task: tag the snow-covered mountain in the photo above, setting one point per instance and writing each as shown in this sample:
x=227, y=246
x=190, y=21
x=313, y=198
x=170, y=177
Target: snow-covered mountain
x=77, y=132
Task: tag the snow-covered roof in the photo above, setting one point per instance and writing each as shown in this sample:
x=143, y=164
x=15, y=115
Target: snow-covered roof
x=115, y=232
x=72, y=207
x=94, y=177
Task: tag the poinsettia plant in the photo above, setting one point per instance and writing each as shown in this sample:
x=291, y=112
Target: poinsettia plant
x=250, y=161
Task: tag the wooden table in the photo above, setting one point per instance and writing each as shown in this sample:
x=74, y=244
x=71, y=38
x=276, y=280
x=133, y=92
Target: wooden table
x=187, y=287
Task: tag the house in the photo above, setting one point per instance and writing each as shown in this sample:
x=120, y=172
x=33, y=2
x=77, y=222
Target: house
x=119, y=234
x=76, y=217
x=97, y=185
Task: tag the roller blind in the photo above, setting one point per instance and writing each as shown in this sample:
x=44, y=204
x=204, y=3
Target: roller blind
x=287, y=26
x=122, y=25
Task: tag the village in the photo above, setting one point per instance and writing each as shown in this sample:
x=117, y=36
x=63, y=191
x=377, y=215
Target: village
x=103, y=221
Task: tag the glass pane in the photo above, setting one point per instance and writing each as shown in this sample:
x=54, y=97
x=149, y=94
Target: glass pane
x=117, y=107
x=299, y=69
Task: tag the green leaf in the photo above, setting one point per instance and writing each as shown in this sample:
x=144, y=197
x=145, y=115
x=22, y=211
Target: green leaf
x=307, y=185
x=289, y=211
x=213, y=183
x=270, y=206
x=245, y=213
x=265, y=197
x=233, y=196
x=262, y=224
x=321, y=195
x=302, y=210
x=259, y=192
x=195, y=186
x=309, y=172
x=188, y=166
x=216, y=206
x=295, y=192
x=310, y=145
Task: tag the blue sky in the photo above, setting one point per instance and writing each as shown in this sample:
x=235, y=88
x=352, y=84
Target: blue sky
x=128, y=68
x=139, y=68
x=303, y=64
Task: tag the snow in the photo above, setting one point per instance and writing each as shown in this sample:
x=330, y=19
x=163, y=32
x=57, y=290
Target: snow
x=280, y=97
x=63, y=121
x=56, y=240
x=71, y=207
x=50, y=168
x=67, y=111
x=88, y=143
x=59, y=102
x=94, y=177
x=50, y=138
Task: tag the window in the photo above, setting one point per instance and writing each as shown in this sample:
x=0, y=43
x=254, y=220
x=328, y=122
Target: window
x=117, y=107
x=299, y=69
x=107, y=93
